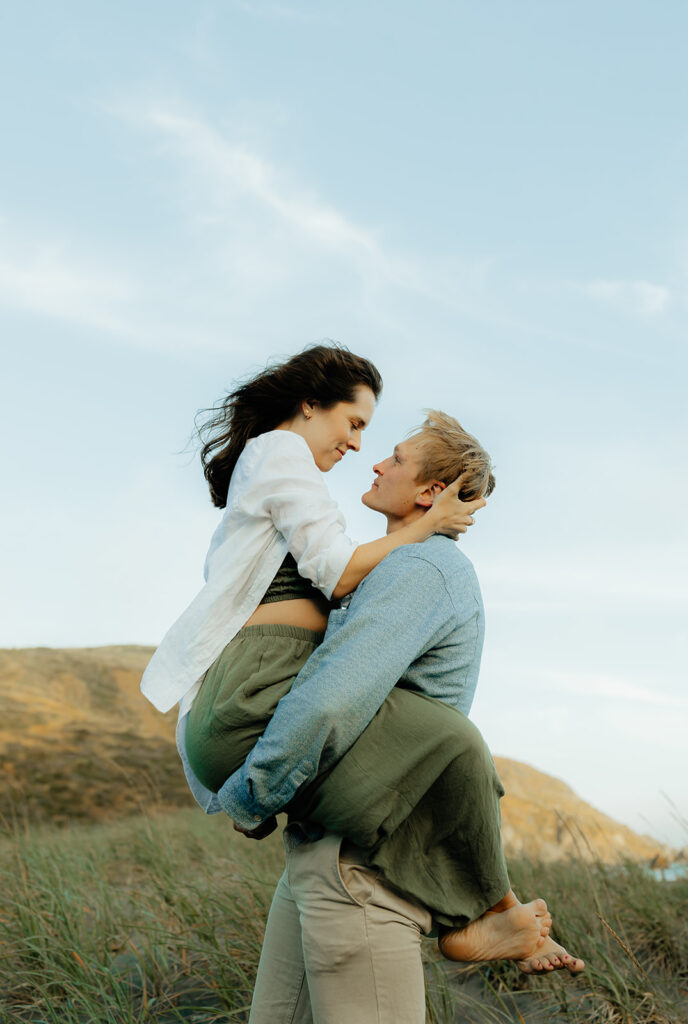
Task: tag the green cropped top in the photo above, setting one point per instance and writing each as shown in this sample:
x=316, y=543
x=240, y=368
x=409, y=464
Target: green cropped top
x=288, y=584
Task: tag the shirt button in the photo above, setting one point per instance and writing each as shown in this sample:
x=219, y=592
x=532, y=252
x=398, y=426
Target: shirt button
x=257, y=817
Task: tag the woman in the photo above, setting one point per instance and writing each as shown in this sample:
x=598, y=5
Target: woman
x=280, y=553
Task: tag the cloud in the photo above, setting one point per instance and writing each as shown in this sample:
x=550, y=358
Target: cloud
x=639, y=298
x=40, y=278
x=664, y=729
x=604, y=685
x=45, y=277
x=265, y=230
x=233, y=176
x=236, y=166
x=265, y=242
x=559, y=686
x=512, y=582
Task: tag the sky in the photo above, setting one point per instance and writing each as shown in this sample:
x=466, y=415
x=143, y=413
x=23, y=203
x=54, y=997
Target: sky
x=488, y=200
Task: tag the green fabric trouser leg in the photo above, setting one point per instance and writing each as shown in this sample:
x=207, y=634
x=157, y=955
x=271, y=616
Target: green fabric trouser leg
x=239, y=694
x=418, y=790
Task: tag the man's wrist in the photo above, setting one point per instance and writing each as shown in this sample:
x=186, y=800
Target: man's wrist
x=237, y=810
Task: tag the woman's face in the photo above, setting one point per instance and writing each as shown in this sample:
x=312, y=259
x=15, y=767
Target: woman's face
x=330, y=433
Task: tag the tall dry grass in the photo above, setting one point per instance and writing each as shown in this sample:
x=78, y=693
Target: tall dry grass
x=161, y=919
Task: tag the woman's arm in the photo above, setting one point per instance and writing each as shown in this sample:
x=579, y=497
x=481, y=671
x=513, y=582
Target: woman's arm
x=448, y=515
x=286, y=485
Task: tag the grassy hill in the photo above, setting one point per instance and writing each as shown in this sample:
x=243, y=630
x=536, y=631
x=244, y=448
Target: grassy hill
x=78, y=742
x=116, y=917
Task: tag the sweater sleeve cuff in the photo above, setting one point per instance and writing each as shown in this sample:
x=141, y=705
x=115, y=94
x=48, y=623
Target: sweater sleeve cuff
x=236, y=802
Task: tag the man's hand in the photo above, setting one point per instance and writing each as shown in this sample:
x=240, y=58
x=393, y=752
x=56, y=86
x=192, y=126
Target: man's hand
x=263, y=830
x=457, y=515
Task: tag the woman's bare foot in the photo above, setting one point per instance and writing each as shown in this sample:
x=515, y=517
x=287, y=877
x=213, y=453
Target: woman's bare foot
x=550, y=956
x=509, y=931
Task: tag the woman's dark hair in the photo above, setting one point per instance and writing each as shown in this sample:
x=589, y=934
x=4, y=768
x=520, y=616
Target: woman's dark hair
x=322, y=375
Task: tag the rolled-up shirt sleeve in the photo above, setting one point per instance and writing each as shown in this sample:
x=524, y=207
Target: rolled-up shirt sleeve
x=277, y=502
x=289, y=488
x=398, y=612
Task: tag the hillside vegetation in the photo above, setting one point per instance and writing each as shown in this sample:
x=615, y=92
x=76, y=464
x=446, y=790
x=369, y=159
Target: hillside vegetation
x=121, y=903
x=78, y=742
x=160, y=920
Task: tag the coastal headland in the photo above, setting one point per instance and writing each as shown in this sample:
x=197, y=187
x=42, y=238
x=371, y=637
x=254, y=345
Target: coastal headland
x=78, y=742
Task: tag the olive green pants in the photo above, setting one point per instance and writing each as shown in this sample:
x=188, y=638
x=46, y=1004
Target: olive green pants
x=238, y=697
x=418, y=790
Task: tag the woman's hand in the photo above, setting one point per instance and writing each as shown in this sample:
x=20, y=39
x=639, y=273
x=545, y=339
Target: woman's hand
x=449, y=515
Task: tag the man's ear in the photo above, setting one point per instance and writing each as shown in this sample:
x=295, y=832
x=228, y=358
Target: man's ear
x=426, y=497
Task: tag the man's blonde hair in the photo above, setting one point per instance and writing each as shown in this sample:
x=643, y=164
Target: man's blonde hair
x=446, y=451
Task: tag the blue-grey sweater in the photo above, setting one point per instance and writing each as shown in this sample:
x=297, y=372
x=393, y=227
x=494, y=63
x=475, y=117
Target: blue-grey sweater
x=415, y=621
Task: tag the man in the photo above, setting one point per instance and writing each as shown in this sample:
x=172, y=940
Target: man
x=343, y=939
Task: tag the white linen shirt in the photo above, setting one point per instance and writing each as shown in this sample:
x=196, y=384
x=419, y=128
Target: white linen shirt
x=278, y=502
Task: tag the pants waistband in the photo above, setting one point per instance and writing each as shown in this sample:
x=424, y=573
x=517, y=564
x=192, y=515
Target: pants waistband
x=276, y=629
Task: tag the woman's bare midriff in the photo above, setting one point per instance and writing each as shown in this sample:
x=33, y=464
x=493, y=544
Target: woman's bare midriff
x=301, y=611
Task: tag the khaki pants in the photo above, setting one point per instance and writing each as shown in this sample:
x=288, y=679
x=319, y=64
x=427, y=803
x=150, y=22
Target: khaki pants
x=340, y=947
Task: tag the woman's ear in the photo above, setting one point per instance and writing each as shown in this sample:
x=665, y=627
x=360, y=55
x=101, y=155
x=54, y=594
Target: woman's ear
x=307, y=409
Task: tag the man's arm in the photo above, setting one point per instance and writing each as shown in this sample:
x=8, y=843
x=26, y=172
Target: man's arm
x=399, y=611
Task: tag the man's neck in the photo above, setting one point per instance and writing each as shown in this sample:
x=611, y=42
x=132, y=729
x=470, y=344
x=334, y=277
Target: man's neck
x=395, y=523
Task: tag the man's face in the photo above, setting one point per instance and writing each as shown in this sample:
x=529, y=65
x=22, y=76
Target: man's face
x=396, y=492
